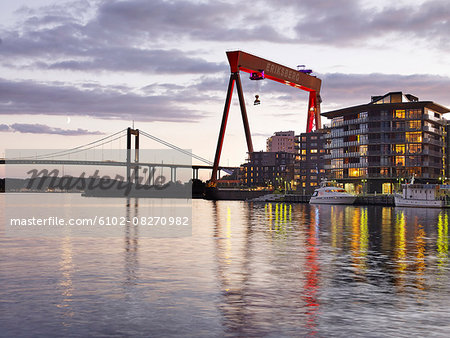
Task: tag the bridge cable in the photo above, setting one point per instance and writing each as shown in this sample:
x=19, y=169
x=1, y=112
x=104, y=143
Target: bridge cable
x=63, y=152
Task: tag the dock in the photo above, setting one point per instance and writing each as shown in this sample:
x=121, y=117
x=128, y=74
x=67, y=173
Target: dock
x=260, y=196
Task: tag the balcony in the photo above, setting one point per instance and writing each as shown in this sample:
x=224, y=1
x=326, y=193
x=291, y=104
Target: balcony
x=344, y=155
x=435, y=119
x=345, y=144
x=432, y=130
x=348, y=122
x=431, y=141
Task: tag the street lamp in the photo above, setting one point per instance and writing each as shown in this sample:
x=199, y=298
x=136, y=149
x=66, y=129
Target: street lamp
x=364, y=182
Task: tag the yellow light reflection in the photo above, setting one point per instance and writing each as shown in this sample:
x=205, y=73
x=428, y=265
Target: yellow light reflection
x=337, y=220
x=420, y=256
x=386, y=222
x=364, y=237
x=360, y=239
x=400, y=246
x=442, y=242
x=278, y=218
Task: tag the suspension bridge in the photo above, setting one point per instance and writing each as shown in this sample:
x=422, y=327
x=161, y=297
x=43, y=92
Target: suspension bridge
x=131, y=161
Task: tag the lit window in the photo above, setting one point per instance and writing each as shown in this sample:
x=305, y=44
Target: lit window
x=415, y=113
x=415, y=136
x=415, y=124
x=400, y=114
x=354, y=172
x=303, y=151
x=414, y=148
x=313, y=151
x=400, y=160
x=363, y=150
x=400, y=148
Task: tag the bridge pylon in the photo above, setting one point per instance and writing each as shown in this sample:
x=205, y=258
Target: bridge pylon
x=130, y=132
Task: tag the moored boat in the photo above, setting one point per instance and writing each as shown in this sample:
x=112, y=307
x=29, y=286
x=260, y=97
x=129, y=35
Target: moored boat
x=331, y=195
x=423, y=195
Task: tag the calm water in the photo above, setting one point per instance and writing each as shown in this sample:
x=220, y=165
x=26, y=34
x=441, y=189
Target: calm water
x=247, y=270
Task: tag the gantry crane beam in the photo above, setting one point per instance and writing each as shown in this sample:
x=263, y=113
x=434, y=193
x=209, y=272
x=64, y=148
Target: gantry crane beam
x=241, y=61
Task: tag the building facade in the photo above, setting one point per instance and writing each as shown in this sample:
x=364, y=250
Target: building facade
x=281, y=141
x=269, y=169
x=376, y=146
x=310, y=161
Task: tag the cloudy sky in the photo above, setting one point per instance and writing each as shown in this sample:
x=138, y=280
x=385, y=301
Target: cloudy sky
x=75, y=71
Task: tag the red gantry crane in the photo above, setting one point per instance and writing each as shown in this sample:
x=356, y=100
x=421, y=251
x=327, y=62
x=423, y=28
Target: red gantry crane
x=259, y=69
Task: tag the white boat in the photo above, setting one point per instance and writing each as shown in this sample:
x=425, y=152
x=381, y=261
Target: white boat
x=331, y=195
x=423, y=195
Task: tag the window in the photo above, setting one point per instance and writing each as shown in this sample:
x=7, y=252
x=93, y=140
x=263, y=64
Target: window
x=399, y=114
x=414, y=113
x=354, y=172
x=363, y=150
x=313, y=151
x=303, y=151
x=400, y=148
x=415, y=124
x=414, y=148
x=415, y=136
x=400, y=160
x=338, y=173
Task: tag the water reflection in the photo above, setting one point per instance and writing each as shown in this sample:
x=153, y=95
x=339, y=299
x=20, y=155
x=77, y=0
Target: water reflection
x=66, y=268
x=131, y=243
x=257, y=247
x=278, y=217
x=359, y=240
x=400, y=249
x=230, y=277
x=312, y=270
x=270, y=269
x=442, y=242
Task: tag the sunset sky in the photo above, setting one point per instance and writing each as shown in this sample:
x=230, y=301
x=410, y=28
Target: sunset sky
x=75, y=71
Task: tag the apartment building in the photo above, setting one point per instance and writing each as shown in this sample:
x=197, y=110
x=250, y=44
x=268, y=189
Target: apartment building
x=268, y=169
x=281, y=141
x=376, y=146
x=310, y=161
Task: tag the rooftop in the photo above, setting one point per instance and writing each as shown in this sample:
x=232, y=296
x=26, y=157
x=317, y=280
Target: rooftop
x=389, y=101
